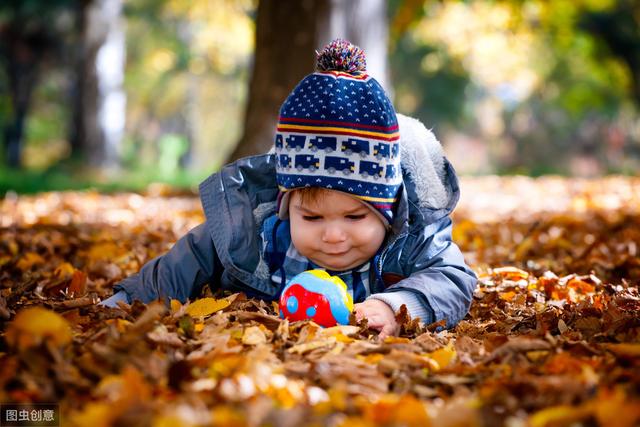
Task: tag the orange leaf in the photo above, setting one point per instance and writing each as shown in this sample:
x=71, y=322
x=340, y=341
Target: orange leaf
x=581, y=286
x=616, y=409
x=630, y=350
x=396, y=410
x=78, y=283
x=511, y=273
x=507, y=296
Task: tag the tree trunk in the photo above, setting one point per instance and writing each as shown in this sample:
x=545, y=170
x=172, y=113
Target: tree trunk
x=24, y=55
x=288, y=32
x=99, y=114
x=286, y=37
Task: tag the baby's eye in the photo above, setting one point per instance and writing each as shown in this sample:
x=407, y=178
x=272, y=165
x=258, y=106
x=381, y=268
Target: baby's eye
x=356, y=217
x=311, y=217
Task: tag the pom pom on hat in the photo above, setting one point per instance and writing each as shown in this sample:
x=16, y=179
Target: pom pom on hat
x=341, y=55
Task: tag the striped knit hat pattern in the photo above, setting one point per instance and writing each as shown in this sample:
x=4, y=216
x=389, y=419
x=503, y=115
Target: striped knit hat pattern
x=338, y=130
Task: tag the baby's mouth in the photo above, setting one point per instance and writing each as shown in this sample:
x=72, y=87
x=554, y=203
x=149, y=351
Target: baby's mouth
x=337, y=253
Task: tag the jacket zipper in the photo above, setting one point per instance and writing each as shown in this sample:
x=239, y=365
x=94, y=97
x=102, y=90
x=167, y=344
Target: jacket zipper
x=383, y=254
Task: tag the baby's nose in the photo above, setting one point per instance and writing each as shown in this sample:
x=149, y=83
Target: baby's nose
x=333, y=233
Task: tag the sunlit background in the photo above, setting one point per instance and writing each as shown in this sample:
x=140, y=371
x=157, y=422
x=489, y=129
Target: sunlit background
x=119, y=94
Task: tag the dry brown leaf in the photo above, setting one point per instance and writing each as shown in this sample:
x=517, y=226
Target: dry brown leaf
x=253, y=335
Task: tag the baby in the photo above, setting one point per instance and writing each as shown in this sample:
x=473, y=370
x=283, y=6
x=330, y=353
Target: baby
x=350, y=187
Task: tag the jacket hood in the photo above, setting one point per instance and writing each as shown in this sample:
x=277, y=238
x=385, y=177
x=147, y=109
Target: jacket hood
x=431, y=189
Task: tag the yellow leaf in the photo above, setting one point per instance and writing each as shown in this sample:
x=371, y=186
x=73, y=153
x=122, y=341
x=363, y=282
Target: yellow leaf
x=175, y=306
x=104, y=251
x=347, y=330
x=443, y=356
x=34, y=325
x=28, y=260
x=170, y=421
x=507, y=296
x=396, y=340
x=94, y=415
x=121, y=324
x=64, y=270
x=561, y=415
x=228, y=416
x=206, y=306
x=372, y=358
x=340, y=332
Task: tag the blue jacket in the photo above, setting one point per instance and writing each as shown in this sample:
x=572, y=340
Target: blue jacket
x=418, y=258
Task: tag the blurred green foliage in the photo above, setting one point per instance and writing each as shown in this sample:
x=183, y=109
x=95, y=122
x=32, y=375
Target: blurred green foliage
x=523, y=86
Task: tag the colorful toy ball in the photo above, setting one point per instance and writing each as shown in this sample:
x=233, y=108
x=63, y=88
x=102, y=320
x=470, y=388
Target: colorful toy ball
x=316, y=295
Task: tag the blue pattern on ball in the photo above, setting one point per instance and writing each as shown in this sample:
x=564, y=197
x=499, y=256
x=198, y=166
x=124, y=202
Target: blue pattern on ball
x=292, y=304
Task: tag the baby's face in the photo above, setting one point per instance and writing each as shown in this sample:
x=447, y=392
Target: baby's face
x=337, y=231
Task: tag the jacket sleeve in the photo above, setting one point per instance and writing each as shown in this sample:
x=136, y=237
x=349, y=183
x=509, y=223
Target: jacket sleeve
x=436, y=276
x=179, y=274
x=114, y=299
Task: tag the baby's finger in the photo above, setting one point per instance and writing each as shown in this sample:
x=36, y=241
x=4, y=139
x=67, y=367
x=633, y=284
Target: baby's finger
x=374, y=321
x=358, y=313
x=387, y=330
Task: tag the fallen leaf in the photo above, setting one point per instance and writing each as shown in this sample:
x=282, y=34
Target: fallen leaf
x=630, y=350
x=443, y=356
x=511, y=273
x=28, y=260
x=253, y=335
x=206, y=306
x=78, y=284
x=35, y=325
x=557, y=416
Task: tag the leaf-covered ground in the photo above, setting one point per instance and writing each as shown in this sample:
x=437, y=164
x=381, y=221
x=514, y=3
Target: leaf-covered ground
x=552, y=338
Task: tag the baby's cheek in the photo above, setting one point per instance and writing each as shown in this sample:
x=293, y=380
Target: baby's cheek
x=373, y=237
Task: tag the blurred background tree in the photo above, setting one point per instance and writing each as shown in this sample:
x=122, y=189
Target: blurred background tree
x=119, y=94
x=32, y=36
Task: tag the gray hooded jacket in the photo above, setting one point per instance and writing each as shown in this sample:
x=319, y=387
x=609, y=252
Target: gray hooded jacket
x=419, y=265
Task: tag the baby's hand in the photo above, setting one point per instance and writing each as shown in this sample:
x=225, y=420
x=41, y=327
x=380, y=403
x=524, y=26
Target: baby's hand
x=379, y=316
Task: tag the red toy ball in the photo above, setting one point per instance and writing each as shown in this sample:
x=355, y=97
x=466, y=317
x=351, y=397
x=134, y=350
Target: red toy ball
x=316, y=295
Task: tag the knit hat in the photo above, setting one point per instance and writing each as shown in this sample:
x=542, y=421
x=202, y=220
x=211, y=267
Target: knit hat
x=338, y=130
